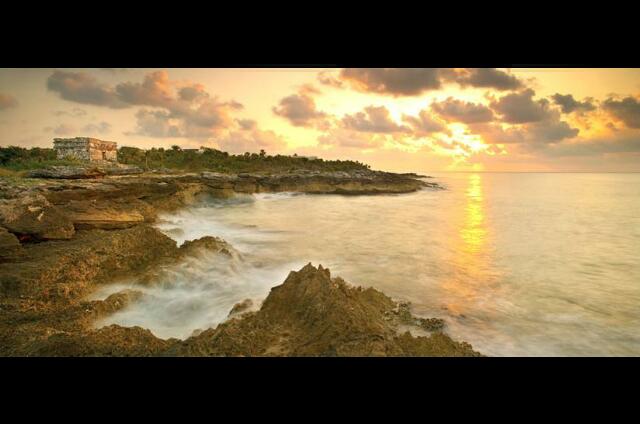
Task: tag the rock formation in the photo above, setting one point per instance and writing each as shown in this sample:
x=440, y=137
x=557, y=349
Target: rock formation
x=62, y=238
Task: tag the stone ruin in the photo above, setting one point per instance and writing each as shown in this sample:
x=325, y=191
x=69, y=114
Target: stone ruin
x=86, y=149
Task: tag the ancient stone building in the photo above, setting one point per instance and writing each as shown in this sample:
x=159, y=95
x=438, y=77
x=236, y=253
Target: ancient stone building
x=86, y=148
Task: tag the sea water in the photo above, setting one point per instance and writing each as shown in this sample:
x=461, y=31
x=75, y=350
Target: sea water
x=518, y=264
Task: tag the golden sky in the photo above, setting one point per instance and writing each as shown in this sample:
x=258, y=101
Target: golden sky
x=401, y=119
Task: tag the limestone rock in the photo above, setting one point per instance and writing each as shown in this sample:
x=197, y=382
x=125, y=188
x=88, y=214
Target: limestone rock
x=312, y=314
x=34, y=218
x=67, y=172
x=10, y=247
x=214, y=244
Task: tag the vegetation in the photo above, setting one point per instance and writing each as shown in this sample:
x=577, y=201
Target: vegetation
x=13, y=159
x=218, y=161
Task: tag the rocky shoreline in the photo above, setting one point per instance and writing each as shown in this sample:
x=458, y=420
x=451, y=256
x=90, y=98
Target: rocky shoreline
x=63, y=236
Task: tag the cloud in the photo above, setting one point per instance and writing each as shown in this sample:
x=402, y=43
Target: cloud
x=192, y=92
x=568, y=104
x=83, y=88
x=626, y=110
x=520, y=108
x=488, y=78
x=76, y=112
x=454, y=110
x=374, y=119
x=629, y=143
x=300, y=110
x=62, y=129
x=155, y=90
x=326, y=78
x=7, y=101
x=100, y=128
x=549, y=130
x=156, y=123
x=344, y=137
x=185, y=109
x=247, y=124
x=424, y=123
x=392, y=81
x=415, y=81
x=251, y=140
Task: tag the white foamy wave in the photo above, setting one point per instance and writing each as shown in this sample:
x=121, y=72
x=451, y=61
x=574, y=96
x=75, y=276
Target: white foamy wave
x=196, y=294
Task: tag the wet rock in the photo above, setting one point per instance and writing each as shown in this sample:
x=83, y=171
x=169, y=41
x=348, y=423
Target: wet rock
x=312, y=314
x=241, y=307
x=58, y=271
x=213, y=244
x=431, y=324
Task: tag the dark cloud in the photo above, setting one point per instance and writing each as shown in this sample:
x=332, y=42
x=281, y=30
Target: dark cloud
x=520, y=108
x=186, y=109
x=192, y=92
x=155, y=90
x=326, y=78
x=488, y=78
x=393, y=81
x=7, y=101
x=83, y=88
x=568, y=104
x=247, y=124
x=374, y=119
x=300, y=110
x=626, y=110
x=415, y=81
x=99, y=128
x=596, y=147
x=549, y=130
x=424, y=123
x=454, y=110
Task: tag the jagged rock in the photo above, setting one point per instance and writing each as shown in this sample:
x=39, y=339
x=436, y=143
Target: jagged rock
x=311, y=314
x=107, y=341
x=215, y=244
x=431, y=324
x=34, y=218
x=64, y=271
x=241, y=307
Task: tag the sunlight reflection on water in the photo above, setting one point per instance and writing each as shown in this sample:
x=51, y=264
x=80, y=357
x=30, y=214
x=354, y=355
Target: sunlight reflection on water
x=517, y=264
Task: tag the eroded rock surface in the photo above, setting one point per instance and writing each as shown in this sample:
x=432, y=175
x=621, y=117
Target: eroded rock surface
x=312, y=314
x=62, y=238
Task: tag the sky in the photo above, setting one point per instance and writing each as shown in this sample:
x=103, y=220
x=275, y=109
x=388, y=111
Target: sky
x=396, y=119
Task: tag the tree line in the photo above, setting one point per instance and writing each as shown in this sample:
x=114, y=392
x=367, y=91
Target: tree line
x=19, y=158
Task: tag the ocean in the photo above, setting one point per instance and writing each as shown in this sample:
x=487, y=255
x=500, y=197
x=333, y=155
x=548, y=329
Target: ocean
x=518, y=264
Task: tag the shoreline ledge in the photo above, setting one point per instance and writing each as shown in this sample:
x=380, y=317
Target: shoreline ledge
x=61, y=239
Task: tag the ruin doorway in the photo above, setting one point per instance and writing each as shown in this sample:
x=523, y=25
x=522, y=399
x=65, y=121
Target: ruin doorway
x=104, y=155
